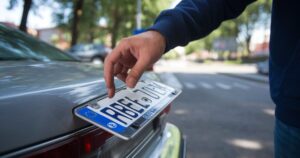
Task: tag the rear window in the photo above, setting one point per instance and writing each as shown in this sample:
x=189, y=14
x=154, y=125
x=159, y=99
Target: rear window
x=15, y=45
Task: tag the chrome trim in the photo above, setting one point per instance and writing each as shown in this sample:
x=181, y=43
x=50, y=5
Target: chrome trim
x=184, y=145
x=154, y=146
x=143, y=144
x=171, y=137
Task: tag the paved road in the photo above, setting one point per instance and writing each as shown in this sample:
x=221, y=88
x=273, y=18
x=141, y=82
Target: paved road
x=224, y=117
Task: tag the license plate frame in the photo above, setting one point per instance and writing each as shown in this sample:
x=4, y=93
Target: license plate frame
x=130, y=110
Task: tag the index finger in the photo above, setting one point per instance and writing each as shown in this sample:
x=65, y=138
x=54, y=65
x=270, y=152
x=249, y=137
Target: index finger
x=109, y=63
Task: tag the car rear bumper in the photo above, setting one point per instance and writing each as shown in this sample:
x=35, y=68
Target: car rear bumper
x=170, y=143
x=164, y=141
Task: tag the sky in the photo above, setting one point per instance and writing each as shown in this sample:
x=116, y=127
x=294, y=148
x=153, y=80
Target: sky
x=43, y=18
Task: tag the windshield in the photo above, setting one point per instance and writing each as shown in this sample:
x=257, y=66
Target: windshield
x=15, y=45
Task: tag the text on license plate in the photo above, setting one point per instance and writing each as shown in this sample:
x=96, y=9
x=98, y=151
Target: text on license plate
x=130, y=104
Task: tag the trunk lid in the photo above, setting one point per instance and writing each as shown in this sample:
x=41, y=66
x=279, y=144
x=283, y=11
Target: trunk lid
x=37, y=99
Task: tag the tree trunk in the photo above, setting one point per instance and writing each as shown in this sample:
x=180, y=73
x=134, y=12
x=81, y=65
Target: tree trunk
x=26, y=8
x=77, y=12
x=116, y=25
x=91, y=33
x=91, y=37
x=248, y=38
x=114, y=34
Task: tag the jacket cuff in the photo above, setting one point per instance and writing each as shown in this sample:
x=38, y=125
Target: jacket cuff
x=165, y=26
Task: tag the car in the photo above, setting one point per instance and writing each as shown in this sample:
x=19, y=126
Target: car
x=263, y=67
x=94, y=53
x=40, y=86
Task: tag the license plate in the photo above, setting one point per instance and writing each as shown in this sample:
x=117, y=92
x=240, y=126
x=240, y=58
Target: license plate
x=129, y=110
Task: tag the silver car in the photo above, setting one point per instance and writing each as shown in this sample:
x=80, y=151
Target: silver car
x=39, y=88
x=263, y=67
x=94, y=53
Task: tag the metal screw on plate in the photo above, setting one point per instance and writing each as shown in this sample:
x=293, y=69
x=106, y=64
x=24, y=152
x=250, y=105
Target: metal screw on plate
x=95, y=106
x=90, y=114
x=174, y=92
x=145, y=99
x=112, y=125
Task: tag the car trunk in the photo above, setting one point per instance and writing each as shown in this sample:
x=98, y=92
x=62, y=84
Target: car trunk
x=37, y=100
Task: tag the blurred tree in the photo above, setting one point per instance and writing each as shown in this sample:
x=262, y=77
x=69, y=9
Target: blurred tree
x=120, y=15
x=77, y=12
x=251, y=17
x=256, y=14
x=90, y=21
x=79, y=17
x=26, y=7
x=227, y=29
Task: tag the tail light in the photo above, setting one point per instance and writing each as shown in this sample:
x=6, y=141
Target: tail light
x=77, y=146
x=81, y=145
x=167, y=109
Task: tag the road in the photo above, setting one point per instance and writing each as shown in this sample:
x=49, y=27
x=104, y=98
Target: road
x=222, y=116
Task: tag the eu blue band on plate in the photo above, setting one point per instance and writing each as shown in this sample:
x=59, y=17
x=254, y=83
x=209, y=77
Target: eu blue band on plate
x=85, y=112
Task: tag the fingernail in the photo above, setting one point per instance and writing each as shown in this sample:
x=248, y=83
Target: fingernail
x=108, y=92
x=131, y=82
x=129, y=88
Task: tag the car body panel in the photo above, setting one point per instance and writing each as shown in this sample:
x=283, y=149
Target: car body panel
x=171, y=143
x=44, y=94
x=87, y=52
x=39, y=88
x=263, y=67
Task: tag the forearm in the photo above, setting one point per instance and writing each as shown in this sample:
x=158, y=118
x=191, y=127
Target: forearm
x=194, y=19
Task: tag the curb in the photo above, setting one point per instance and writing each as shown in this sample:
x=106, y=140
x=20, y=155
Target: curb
x=246, y=77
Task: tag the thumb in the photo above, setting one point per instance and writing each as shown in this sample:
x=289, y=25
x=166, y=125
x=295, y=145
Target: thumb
x=136, y=72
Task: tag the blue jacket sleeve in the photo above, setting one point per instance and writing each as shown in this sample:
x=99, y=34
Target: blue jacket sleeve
x=194, y=19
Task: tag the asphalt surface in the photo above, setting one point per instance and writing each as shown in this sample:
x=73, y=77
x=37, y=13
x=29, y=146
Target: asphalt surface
x=223, y=116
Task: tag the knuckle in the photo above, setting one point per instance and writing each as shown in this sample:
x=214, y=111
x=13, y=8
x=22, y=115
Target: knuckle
x=108, y=61
x=125, y=40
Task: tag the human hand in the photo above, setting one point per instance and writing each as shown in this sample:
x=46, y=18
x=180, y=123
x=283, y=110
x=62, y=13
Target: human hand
x=132, y=56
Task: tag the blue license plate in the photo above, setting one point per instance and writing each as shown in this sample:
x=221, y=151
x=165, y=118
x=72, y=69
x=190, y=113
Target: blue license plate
x=129, y=110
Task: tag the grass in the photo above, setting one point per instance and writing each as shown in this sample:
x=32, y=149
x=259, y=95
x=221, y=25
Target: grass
x=233, y=62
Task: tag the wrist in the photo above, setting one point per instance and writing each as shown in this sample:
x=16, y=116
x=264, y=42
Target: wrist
x=159, y=38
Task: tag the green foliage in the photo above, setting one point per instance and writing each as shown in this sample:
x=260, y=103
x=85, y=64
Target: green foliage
x=119, y=16
x=171, y=55
x=12, y=4
x=152, y=8
x=194, y=46
x=34, y=7
x=27, y=6
x=88, y=20
x=257, y=13
x=228, y=28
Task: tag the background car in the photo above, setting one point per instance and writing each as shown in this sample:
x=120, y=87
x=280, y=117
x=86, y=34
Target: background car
x=94, y=53
x=39, y=88
x=263, y=67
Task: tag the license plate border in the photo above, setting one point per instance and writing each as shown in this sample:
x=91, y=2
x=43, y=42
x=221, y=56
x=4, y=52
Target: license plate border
x=135, y=131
